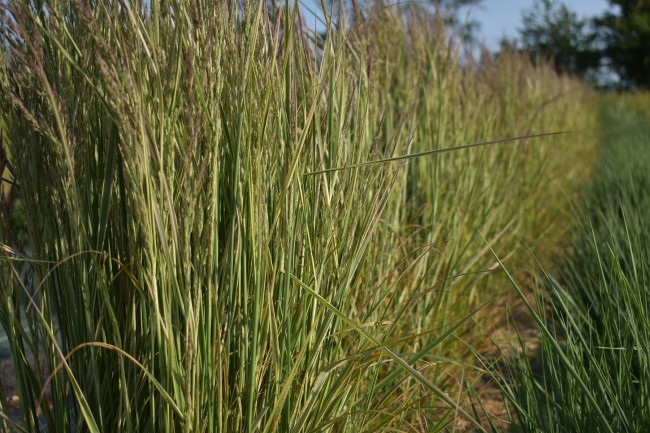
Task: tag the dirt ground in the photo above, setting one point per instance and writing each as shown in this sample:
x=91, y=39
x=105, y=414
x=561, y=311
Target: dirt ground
x=8, y=379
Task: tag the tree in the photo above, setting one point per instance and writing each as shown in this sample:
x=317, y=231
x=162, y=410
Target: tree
x=551, y=31
x=626, y=36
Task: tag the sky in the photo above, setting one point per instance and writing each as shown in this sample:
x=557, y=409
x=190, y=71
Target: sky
x=500, y=18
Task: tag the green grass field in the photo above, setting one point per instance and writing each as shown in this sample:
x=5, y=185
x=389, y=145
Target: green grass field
x=223, y=222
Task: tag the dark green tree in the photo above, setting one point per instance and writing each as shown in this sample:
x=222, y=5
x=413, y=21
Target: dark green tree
x=626, y=36
x=551, y=31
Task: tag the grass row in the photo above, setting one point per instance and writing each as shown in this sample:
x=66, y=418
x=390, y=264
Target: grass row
x=238, y=225
x=593, y=364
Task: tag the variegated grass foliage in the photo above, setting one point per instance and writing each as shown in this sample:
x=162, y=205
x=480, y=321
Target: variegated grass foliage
x=198, y=265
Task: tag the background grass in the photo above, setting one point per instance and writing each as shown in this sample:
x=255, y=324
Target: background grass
x=592, y=370
x=203, y=258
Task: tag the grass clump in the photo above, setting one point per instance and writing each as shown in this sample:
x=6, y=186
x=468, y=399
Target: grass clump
x=593, y=362
x=209, y=251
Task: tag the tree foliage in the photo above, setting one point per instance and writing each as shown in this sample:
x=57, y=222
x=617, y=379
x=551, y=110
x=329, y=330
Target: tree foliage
x=552, y=31
x=626, y=35
x=618, y=41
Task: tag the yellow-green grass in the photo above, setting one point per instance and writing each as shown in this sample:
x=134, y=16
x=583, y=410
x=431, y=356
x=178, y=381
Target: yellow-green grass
x=210, y=251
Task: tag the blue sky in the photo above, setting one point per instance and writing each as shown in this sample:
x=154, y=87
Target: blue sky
x=502, y=17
